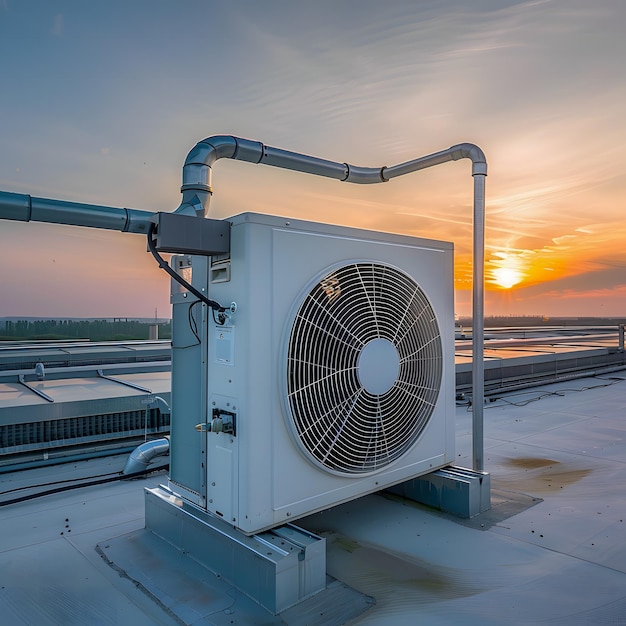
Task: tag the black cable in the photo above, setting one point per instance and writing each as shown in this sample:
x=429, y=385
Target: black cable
x=164, y=265
x=57, y=482
x=87, y=483
x=558, y=392
x=193, y=325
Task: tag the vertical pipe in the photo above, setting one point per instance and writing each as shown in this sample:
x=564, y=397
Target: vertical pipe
x=478, y=324
x=621, y=337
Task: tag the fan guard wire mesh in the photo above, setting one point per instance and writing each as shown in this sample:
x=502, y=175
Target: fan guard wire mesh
x=337, y=422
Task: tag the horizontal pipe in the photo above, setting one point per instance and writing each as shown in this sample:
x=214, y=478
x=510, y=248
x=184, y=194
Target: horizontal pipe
x=365, y=175
x=303, y=163
x=459, y=151
x=25, y=208
x=197, y=171
x=417, y=164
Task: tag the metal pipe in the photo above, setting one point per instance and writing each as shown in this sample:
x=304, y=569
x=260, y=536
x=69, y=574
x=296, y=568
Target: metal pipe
x=302, y=163
x=197, y=191
x=25, y=208
x=127, y=383
x=144, y=454
x=22, y=380
x=417, y=164
x=478, y=324
x=197, y=170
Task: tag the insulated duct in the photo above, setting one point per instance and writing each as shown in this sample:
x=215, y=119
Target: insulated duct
x=197, y=185
x=197, y=190
x=144, y=454
x=25, y=208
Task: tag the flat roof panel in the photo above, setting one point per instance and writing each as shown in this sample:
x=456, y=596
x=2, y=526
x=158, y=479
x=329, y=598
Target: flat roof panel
x=561, y=561
x=80, y=389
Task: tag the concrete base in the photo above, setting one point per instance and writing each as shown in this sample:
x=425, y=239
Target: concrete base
x=277, y=569
x=462, y=492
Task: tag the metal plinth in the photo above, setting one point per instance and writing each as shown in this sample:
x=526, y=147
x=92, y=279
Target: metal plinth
x=277, y=569
x=462, y=492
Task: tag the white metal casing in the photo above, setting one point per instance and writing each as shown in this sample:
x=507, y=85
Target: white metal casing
x=260, y=478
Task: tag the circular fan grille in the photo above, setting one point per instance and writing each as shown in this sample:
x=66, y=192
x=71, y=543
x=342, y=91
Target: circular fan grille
x=364, y=362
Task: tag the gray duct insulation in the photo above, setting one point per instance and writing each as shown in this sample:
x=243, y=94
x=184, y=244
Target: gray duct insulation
x=25, y=208
x=197, y=170
x=144, y=454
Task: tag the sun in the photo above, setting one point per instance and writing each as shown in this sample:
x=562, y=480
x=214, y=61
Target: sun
x=507, y=277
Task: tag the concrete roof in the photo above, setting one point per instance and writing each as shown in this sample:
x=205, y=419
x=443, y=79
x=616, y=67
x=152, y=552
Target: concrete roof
x=552, y=549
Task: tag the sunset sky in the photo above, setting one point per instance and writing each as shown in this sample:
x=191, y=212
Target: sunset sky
x=101, y=102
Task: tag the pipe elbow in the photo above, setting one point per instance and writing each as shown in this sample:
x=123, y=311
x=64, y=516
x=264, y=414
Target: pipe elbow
x=196, y=187
x=207, y=151
x=144, y=454
x=197, y=170
x=472, y=152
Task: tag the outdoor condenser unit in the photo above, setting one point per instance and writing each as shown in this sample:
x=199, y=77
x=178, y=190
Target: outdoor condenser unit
x=331, y=375
x=311, y=365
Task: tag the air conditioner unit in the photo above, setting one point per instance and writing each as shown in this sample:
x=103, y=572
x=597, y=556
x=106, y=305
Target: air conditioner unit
x=335, y=376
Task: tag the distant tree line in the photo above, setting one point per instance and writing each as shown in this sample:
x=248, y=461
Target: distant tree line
x=93, y=330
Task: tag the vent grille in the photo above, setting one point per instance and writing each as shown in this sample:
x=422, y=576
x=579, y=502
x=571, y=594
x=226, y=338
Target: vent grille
x=364, y=366
x=80, y=430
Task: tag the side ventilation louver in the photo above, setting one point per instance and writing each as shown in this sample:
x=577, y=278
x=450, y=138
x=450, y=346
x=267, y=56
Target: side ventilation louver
x=35, y=436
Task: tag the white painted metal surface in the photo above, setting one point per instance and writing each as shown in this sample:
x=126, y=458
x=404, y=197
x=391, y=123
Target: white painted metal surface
x=266, y=474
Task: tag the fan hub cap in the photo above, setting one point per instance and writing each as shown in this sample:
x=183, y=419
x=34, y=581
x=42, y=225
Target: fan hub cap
x=378, y=366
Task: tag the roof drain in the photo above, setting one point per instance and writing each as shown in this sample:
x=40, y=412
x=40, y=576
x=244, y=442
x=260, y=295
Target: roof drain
x=144, y=454
x=197, y=191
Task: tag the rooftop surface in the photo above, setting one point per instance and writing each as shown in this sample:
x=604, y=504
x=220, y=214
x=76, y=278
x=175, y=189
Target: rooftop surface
x=551, y=550
x=78, y=389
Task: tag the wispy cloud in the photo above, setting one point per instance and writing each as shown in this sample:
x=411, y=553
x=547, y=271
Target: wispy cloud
x=57, y=25
x=539, y=85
